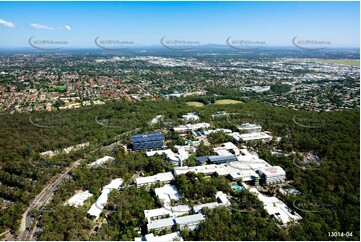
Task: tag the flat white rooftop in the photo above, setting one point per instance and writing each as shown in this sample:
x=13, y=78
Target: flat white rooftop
x=180, y=156
x=79, y=198
x=191, y=127
x=226, y=131
x=229, y=146
x=198, y=208
x=160, y=223
x=157, y=212
x=101, y=161
x=222, y=152
x=255, y=163
x=223, y=198
x=273, y=171
x=159, y=152
x=161, y=177
x=248, y=127
x=156, y=119
x=255, y=136
x=180, y=210
x=114, y=184
x=97, y=207
x=277, y=208
x=167, y=193
x=235, y=169
x=176, y=236
x=190, y=116
x=245, y=155
x=190, y=219
x=198, y=126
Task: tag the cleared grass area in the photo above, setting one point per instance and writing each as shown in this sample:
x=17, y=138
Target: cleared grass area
x=195, y=104
x=228, y=101
x=341, y=62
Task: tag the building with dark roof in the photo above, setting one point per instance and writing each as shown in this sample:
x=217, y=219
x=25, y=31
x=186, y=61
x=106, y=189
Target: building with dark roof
x=215, y=159
x=218, y=159
x=148, y=141
x=201, y=160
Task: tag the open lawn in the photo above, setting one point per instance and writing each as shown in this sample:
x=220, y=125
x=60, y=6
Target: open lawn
x=228, y=101
x=195, y=104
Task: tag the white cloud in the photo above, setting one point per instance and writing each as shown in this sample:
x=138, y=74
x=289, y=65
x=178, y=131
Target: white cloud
x=40, y=26
x=7, y=24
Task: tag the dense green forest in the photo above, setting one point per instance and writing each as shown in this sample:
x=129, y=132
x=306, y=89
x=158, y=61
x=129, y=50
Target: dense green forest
x=333, y=186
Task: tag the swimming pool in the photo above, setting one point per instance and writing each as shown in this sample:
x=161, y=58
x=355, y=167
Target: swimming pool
x=237, y=187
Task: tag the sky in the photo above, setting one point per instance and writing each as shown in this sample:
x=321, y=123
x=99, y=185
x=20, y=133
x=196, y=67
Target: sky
x=145, y=23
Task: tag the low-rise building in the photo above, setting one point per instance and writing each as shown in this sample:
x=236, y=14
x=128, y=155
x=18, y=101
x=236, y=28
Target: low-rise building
x=156, y=119
x=79, y=198
x=180, y=210
x=226, y=131
x=272, y=174
x=227, y=149
x=176, y=236
x=191, y=127
x=159, y=152
x=257, y=136
x=246, y=156
x=222, y=198
x=198, y=208
x=175, y=158
x=167, y=193
x=149, y=180
x=158, y=213
x=190, y=117
x=191, y=221
x=219, y=159
x=216, y=159
x=161, y=224
x=233, y=170
x=277, y=209
x=97, y=207
x=249, y=128
x=101, y=161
